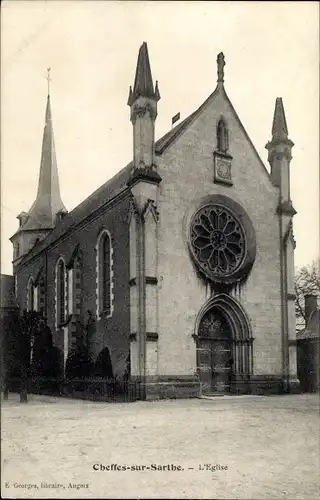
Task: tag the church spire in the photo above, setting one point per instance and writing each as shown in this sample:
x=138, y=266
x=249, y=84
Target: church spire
x=279, y=156
x=143, y=102
x=48, y=80
x=143, y=84
x=48, y=203
x=279, y=125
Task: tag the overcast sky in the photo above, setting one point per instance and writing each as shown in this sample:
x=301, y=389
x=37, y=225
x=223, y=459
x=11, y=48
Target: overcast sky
x=271, y=50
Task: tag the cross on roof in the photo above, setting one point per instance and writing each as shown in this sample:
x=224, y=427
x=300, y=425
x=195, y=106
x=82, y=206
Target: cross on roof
x=48, y=79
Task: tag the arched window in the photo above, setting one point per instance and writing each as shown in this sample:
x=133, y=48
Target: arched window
x=61, y=292
x=16, y=250
x=75, y=288
x=104, y=274
x=222, y=137
x=30, y=294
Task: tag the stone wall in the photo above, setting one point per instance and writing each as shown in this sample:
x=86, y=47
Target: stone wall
x=110, y=332
x=187, y=172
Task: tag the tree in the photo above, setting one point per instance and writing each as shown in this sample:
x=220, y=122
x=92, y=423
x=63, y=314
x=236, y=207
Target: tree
x=307, y=281
x=11, y=364
x=79, y=364
x=47, y=360
x=18, y=349
x=27, y=327
x=103, y=365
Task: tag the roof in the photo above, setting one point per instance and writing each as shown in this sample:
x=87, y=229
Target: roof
x=118, y=184
x=170, y=136
x=42, y=214
x=97, y=199
x=312, y=329
x=113, y=187
x=279, y=125
x=7, y=297
x=143, y=84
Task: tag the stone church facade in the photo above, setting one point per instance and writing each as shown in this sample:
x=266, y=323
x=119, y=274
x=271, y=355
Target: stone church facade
x=182, y=263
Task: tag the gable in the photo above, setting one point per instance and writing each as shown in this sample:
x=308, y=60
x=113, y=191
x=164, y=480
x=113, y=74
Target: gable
x=204, y=120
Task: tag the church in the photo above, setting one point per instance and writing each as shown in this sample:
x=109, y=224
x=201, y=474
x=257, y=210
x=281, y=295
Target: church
x=182, y=265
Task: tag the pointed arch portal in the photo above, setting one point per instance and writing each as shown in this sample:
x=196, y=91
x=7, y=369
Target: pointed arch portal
x=224, y=345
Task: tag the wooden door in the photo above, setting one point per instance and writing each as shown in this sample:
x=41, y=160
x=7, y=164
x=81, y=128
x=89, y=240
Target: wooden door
x=214, y=352
x=204, y=353
x=221, y=355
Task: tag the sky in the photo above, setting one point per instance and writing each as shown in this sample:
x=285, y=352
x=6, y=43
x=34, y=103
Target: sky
x=271, y=50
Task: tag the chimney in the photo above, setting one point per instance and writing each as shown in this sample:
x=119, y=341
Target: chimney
x=310, y=305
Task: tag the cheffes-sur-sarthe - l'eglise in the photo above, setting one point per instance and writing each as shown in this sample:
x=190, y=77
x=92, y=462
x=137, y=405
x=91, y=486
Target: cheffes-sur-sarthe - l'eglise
x=182, y=263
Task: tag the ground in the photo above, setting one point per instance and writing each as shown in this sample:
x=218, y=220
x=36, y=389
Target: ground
x=270, y=446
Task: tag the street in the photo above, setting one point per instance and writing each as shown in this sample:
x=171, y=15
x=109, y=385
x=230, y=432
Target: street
x=245, y=447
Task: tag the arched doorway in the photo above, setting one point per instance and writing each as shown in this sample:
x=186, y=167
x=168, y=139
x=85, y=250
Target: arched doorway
x=224, y=346
x=214, y=352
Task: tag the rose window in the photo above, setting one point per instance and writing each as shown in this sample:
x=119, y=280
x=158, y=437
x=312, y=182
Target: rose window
x=217, y=240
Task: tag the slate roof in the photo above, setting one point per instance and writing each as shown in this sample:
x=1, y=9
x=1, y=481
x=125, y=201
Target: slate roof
x=97, y=199
x=143, y=84
x=312, y=329
x=118, y=183
x=48, y=202
x=279, y=125
x=170, y=136
x=112, y=188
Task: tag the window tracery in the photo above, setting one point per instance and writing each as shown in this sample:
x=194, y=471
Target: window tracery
x=217, y=240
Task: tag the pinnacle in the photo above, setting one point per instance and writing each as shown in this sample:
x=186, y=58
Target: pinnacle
x=143, y=83
x=279, y=125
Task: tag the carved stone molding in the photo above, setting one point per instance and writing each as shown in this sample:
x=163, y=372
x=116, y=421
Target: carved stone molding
x=222, y=168
x=150, y=206
x=291, y=296
x=152, y=336
x=285, y=207
x=133, y=211
x=289, y=235
x=151, y=280
x=144, y=173
x=221, y=239
x=139, y=111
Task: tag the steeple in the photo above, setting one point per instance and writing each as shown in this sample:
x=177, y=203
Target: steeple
x=143, y=101
x=41, y=218
x=48, y=203
x=143, y=84
x=279, y=125
x=279, y=157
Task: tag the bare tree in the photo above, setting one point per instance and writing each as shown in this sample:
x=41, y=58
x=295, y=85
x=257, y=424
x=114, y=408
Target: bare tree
x=307, y=281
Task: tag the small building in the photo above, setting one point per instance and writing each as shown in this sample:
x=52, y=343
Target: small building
x=308, y=347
